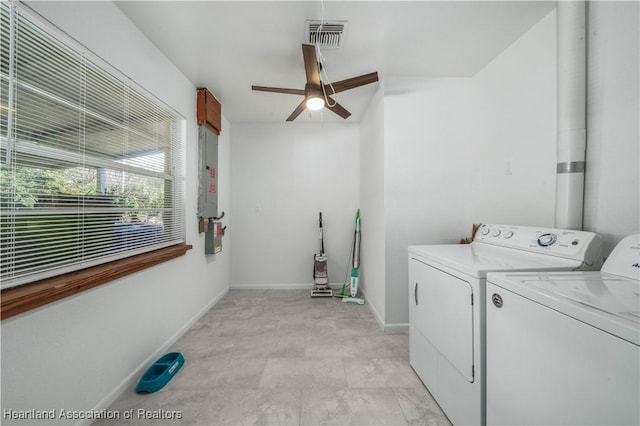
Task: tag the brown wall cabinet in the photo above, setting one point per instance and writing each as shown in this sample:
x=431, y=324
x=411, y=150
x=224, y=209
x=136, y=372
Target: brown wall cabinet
x=209, y=111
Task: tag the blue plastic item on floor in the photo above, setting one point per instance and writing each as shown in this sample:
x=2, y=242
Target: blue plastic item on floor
x=160, y=372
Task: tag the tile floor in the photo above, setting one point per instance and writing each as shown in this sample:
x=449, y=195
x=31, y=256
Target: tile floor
x=279, y=357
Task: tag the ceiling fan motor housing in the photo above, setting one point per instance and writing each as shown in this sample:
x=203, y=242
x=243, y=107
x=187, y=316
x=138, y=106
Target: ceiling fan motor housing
x=312, y=91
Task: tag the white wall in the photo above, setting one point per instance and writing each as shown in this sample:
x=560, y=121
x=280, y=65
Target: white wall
x=612, y=195
x=79, y=353
x=504, y=148
x=514, y=132
x=283, y=175
x=446, y=144
x=514, y=125
x=372, y=195
x=426, y=167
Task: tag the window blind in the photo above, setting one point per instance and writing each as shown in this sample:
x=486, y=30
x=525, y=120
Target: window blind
x=91, y=165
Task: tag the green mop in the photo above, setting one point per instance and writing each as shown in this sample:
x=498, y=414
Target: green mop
x=349, y=296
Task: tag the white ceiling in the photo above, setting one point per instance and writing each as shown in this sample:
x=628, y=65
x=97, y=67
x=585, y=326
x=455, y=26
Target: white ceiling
x=227, y=46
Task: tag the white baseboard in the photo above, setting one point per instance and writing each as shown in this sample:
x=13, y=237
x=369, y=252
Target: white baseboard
x=386, y=328
x=396, y=328
x=139, y=370
x=292, y=286
x=373, y=310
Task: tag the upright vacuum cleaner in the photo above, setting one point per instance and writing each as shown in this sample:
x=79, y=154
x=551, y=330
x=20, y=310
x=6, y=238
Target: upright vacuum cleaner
x=320, y=272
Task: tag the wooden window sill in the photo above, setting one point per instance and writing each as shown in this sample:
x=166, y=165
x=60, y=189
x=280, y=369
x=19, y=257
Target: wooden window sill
x=20, y=299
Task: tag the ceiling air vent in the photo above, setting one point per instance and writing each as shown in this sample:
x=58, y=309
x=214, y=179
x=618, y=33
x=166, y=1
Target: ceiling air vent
x=328, y=35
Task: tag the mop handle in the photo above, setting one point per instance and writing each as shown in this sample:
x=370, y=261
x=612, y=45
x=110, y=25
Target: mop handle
x=356, y=243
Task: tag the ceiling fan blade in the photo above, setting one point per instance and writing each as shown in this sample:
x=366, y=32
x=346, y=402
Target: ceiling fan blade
x=279, y=90
x=337, y=108
x=296, y=112
x=350, y=83
x=311, y=64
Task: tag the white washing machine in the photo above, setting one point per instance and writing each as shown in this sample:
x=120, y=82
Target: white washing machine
x=447, y=304
x=563, y=348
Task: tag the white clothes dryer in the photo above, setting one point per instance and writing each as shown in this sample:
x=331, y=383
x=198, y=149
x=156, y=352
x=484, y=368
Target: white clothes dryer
x=447, y=304
x=564, y=348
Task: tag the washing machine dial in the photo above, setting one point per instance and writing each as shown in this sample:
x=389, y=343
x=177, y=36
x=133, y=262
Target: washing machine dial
x=496, y=232
x=546, y=240
x=485, y=231
x=507, y=234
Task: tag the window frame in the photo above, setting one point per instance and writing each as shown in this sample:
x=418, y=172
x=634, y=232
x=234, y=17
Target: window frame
x=28, y=295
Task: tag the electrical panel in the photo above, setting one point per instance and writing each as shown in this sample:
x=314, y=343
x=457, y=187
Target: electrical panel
x=208, y=187
x=209, y=119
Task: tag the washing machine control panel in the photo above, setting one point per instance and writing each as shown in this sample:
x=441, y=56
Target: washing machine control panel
x=579, y=245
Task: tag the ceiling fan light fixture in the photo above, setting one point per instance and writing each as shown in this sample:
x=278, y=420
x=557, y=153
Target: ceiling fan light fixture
x=315, y=103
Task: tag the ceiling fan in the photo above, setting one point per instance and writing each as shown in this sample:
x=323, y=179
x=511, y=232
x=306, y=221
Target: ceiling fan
x=314, y=91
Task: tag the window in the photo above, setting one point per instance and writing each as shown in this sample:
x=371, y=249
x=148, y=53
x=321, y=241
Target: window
x=91, y=165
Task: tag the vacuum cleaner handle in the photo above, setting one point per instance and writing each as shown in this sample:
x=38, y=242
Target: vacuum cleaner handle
x=321, y=236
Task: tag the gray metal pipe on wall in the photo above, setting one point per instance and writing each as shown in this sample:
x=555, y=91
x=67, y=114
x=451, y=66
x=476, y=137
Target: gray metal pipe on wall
x=572, y=116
